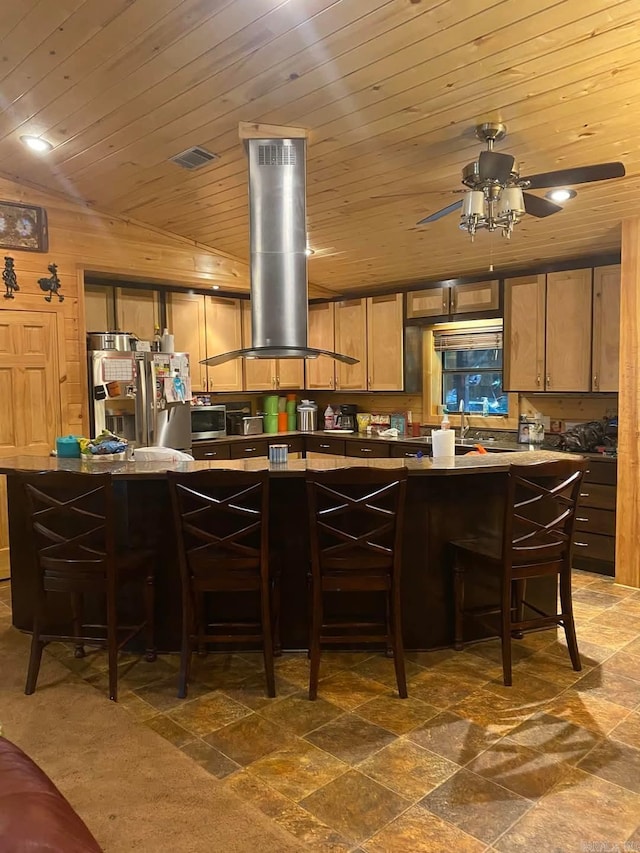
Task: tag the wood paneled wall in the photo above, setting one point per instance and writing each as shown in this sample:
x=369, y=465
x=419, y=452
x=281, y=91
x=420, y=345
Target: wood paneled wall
x=628, y=499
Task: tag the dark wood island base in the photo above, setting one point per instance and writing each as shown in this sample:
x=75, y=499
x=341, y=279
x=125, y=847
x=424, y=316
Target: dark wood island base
x=446, y=500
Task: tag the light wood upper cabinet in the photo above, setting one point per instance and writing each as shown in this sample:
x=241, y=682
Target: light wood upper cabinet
x=137, y=312
x=186, y=319
x=524, y=333
x=547, y=324
x=321, y=371
x=385, y=343
x=351, y=339
x=223, y=334
x=268, y=374
x=444, y=301
x=605, y=358
x=98, y=308
x=568, y=346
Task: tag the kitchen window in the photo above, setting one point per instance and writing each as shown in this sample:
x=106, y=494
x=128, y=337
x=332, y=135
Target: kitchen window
x=471, y=370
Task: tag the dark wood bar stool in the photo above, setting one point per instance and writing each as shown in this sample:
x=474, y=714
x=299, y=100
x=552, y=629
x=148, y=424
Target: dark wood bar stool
x=536, y=541
x=356, y=517
x=222, y=528
x=73, y=517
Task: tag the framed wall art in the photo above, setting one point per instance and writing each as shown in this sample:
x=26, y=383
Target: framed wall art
x=23, y=227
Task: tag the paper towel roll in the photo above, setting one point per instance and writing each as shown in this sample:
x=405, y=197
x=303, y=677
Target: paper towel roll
x=443, y=443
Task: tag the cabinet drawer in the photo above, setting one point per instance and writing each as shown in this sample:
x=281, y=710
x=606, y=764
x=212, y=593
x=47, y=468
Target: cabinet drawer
x=598, y=496
x=594, y=547
x=295, y=444
x=332, y=446
x=406, y=451
x=249, y=449
x=596, y=521
x=367, y=449
x=210, y=451
x=605, y=473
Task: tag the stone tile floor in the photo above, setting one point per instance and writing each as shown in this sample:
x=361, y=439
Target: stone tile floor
x=464, y=764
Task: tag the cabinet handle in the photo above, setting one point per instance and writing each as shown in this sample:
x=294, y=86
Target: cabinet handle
x=365, y=450
x=595, y=381
x=585, y=520
x=324, y=447
x=411, y=454
x=331, y=383
x=212, y=453
x=584, y=494
x=249, y=450
x=277, y=381
x=548, y=381
x=370, y=382
x=273, y=381
x=454, y=301
x=538, y=377
x=582, y=544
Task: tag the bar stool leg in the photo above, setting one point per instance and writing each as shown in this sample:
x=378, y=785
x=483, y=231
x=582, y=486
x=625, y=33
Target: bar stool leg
x=316, y=627
x=112, y=645
x=185, y=649
x=267, y=641
x=519, y=591
x=35, y=657
x=505, y=614
x=398, y=646
x=566, y=604
x=458, y=597
x=76, y=610
x=149, y=602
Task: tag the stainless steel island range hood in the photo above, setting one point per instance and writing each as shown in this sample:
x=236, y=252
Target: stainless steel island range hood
x=278, y=242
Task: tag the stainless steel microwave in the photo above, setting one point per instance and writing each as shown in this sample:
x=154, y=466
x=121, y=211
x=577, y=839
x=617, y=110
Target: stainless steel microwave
x=208, y=422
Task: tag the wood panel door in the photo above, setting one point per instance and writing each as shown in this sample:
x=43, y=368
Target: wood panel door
x=223, y=334
x=321, y=371
x=137, y=312
x=186, y=318
x=474, y=297
x=259, y=373
x=31, y=418
x=385, y=343
x=98, y=308
x=568, y=347
x=351, y=339
x=290, y=373
x=606, y=328
x=430, y=302
x=524, y=333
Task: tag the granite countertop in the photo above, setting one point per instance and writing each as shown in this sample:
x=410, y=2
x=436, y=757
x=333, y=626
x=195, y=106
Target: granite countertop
x=488, y=464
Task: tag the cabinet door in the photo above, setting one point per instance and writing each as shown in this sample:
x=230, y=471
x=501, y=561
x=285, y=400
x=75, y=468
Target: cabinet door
x=384, y=343
x=137, y=312
x=186, y=319
x=351, y=339
x=320, y=372
x=568, y=350
x=524, y=319
x=98, y=308
x=259, y=373
x=431, y=302
x=478, y=296
x=606, y=328
x=223, y=334
x=290, y=373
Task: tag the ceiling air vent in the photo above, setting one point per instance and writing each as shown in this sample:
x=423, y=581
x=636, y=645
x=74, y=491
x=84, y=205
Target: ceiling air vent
x=276, y=155
x=193, y=158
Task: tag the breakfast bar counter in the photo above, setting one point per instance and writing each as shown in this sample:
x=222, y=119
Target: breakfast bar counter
x=446, y=499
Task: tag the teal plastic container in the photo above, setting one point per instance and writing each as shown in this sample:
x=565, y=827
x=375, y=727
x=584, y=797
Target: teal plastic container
x=68, y=447
x=271, y=405
x=271, y=422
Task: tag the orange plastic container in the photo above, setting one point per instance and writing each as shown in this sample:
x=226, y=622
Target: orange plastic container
x=282, y=421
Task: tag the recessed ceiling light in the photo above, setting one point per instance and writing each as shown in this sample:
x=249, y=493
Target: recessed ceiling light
x=36, y=143
x=560, y=195
x=215, y=287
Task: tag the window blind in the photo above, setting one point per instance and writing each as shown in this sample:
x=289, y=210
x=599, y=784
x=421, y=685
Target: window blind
x=486, y=338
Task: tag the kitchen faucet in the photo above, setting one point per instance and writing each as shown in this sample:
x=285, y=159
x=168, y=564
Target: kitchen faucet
x=464, y=427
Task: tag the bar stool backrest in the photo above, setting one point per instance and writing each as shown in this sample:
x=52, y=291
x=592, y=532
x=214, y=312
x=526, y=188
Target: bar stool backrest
x=72, y=517
x=540, y=512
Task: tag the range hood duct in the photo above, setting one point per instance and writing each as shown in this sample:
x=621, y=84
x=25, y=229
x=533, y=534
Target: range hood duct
x=278, y=243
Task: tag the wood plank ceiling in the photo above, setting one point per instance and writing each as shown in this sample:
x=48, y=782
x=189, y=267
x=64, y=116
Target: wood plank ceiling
x=389, y=89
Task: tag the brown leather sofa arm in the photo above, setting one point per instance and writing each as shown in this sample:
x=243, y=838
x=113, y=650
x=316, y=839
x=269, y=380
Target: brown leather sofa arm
x=34, y=816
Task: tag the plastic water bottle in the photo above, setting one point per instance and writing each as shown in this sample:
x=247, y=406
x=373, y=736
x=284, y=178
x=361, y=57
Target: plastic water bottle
x=329, y=418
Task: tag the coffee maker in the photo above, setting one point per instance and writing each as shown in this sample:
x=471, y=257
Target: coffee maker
x=347, y=416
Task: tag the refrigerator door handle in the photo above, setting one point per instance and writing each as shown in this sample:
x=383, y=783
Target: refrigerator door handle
x=142, y=405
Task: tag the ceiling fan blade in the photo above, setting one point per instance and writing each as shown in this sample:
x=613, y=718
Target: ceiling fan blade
x=539, y=207
x=440, y=213
x=579, y=175
x=493, y=166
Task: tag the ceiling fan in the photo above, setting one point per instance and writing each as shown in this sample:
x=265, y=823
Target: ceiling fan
x=496, y=197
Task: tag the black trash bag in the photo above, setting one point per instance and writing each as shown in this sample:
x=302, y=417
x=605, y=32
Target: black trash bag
x=591, y=435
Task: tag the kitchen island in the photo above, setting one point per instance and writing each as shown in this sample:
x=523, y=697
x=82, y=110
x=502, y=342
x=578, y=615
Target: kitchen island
x=446, y=499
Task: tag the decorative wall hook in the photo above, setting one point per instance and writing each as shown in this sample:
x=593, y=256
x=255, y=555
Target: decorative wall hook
x=9, y=278
x=52, y=284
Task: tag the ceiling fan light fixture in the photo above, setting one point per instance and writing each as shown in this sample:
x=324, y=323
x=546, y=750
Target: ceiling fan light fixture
x=511, y=199
x=562, y=194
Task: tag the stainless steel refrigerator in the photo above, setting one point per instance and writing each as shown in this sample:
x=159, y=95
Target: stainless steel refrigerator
x=141, y=396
